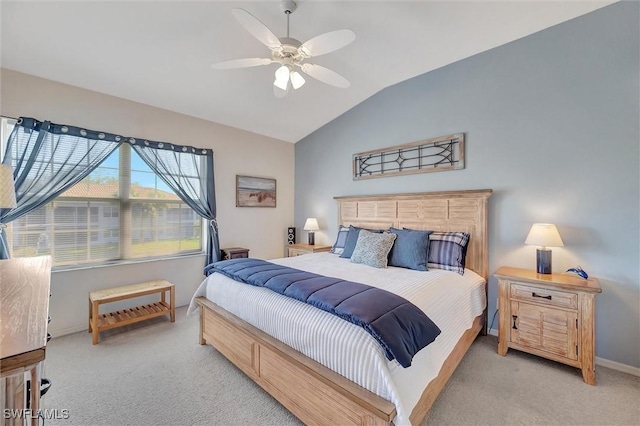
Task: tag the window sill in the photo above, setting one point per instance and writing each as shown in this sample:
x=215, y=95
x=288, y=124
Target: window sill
x=121, y=263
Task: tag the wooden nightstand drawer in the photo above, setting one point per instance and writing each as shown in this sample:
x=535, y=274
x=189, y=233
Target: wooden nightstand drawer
x=294, y=252
x=543, y=296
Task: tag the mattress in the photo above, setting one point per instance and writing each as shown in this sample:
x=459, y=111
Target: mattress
x=451, y=300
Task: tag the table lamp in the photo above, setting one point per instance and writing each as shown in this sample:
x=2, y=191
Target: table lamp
x=544, y=235
x=311, y=225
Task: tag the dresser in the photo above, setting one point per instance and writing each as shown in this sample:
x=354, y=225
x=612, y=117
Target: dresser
x=25, y=305
x=300, y=249
x=549, y=315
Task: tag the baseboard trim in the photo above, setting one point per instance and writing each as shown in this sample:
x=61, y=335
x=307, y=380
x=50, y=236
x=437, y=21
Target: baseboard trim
x=629, y=369
x=69, y=330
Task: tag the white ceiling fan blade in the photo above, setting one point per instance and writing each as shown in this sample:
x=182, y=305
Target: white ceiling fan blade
x=326, y=43
x=325, y=75
x=241, y=63
x=257, y=29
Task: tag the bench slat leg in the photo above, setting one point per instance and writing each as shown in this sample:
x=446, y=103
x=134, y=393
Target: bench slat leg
x=172, y=293
x=94, y=321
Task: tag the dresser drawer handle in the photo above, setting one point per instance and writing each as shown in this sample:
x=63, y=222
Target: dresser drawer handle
x=541, y=297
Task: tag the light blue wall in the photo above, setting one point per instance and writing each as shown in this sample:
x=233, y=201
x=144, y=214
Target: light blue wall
x=552, y=126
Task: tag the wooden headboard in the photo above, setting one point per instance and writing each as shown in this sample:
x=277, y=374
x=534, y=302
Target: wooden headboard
x=464, y=211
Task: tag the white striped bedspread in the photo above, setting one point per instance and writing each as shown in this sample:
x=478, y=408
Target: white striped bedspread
x=451, y=300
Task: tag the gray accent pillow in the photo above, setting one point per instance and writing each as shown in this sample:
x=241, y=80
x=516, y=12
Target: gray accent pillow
x=352, y=239
x=372, y=248
x=410, y=250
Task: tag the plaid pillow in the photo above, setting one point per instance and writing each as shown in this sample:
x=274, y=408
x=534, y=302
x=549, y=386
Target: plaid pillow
x=341, y=239
x=448, y=250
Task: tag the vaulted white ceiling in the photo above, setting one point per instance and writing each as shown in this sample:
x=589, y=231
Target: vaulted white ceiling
x=160, y=53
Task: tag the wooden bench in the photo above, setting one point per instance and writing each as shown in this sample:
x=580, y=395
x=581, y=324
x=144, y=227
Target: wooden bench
x=98, y=322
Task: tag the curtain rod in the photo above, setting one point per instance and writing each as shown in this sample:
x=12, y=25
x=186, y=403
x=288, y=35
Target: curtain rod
x=12, y=118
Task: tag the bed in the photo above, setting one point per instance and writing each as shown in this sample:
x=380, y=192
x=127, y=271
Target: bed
x=327, y=371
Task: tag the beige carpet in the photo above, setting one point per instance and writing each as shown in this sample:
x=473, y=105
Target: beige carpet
x=155, y=373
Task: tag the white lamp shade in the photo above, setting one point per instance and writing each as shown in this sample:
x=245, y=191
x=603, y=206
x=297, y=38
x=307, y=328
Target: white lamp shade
x=282, y=77
x=311, y=224
x=297, y=81
x=7, y=188
x=282, y=73
x=544, y=235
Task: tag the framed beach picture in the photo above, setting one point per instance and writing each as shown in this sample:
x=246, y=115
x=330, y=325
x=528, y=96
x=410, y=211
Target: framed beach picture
x=255, y=192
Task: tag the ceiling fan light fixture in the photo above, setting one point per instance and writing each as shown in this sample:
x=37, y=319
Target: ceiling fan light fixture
x=282, y=73
x=280, y=84
x=282, y=77
x=297, y=81
x=289, y=53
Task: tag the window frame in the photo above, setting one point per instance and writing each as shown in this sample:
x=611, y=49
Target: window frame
x=124, y=158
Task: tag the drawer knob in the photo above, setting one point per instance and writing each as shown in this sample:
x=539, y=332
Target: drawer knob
x=540, y=296
x=515, y=317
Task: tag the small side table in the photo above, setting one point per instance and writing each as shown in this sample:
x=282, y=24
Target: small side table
x=300, y=249
x=549, y=315
x=234, y=253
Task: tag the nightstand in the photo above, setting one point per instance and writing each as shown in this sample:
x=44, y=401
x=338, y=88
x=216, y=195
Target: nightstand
x=549, y=315
x=300, y=249
x=234, y=253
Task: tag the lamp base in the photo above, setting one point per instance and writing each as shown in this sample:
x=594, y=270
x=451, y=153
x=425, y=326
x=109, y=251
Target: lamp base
x=312, y=239
x=543, y=261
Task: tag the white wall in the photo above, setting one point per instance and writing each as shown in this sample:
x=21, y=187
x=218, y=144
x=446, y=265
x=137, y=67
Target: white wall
x=262, y=230
x=552, y=126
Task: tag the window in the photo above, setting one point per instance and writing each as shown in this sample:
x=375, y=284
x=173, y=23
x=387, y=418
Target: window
x=108, y=211
x=122, y=210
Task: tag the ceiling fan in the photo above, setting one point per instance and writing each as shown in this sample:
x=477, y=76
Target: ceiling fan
x=290, y=53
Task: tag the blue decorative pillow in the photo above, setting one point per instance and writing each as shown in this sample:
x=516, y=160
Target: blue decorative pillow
x=448, y=250
x=410, y=250
x=352, y=239
x=341, y=239
x=350, y=243
x=373, y=248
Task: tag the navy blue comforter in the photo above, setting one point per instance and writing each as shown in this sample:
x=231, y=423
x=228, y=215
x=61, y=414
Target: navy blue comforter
x=400, y=327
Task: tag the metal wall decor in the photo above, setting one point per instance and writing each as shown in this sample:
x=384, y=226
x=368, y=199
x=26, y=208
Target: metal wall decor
x=429, y=155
